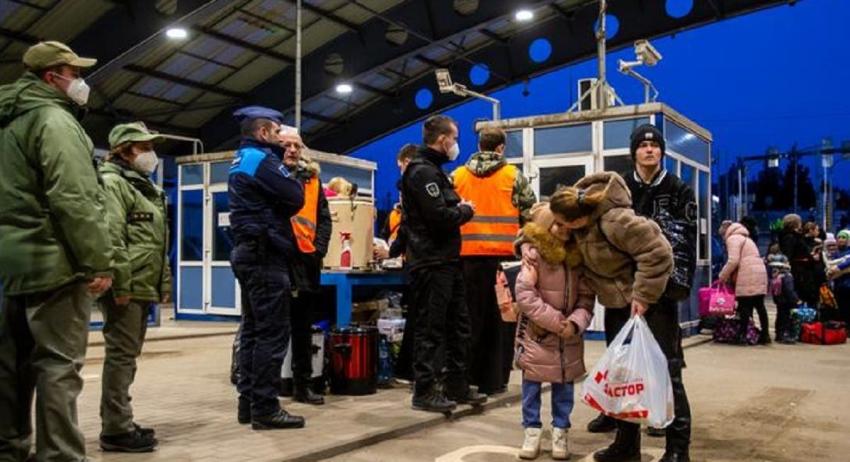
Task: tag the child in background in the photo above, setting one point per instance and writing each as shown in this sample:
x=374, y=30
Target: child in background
x=555, y=308
x=784, y=296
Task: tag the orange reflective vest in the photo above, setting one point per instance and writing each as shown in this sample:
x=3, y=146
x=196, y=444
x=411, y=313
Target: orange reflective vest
x=494, y=227
x=304, y=222
x=395, y=223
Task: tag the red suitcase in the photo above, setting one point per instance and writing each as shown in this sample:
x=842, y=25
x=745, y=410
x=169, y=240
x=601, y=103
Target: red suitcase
x=829, y=333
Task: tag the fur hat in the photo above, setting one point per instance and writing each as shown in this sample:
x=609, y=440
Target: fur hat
x=778, y=260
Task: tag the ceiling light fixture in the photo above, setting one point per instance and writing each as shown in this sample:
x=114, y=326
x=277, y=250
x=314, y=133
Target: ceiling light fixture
x=344, y=88
x=177, y=33
x=524, y=15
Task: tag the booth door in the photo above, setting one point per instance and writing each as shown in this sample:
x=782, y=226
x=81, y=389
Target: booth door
x=220, y=284
x=550, y=174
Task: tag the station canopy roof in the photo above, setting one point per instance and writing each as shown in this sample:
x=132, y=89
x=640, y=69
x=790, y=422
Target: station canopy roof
x=240, y=52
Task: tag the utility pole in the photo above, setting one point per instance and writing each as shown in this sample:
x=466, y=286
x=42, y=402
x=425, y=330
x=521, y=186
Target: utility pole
x=794, y=161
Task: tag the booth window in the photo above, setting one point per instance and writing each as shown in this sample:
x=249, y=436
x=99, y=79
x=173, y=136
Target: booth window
x=192, y=174
x=219, y=172
x=686, y=143
x=358, y=175
x=562, y=140
x=618, y=132
x=222, y=239
x=513, y=145
x=552, y=178
x=704, y=210
x=670, y=165
x=192, y=220
x=620, y=164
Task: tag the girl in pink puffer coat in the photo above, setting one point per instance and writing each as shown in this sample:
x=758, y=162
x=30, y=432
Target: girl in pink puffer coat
x=746, y=270
x=555, y=308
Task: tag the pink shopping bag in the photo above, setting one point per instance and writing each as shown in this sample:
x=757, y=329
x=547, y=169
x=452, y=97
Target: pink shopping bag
x=716, y=300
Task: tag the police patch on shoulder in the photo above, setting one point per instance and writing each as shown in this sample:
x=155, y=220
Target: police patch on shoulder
x=283, y=170
x=432, y=189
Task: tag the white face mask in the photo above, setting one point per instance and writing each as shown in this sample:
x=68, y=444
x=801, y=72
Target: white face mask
x=146, y=162
x=454, y=151
x=78, y=90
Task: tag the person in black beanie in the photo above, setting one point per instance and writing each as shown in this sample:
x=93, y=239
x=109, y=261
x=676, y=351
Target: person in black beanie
x=667, y=200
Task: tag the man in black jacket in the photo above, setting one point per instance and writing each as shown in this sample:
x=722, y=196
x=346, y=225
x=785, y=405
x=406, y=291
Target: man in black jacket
x=433, y=214
x=663, y=197
x=312, y=228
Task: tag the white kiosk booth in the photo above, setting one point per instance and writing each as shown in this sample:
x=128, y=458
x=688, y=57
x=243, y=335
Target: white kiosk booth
x=559, y=149
x=206, y=286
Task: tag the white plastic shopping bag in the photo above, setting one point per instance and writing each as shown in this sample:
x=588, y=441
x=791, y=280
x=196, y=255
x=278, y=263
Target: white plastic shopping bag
x=631, y=381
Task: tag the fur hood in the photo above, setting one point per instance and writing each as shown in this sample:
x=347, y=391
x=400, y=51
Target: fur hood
x=617, y=194
x=550, y=248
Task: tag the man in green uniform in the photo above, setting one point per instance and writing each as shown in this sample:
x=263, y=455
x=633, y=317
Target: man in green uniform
x=55, y=259
x=136, y=210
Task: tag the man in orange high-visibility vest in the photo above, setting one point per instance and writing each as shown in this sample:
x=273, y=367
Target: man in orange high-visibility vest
x=502, y=198
x=311, y=228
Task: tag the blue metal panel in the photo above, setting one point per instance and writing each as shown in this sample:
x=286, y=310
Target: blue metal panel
x=223, y=287
x=618, y=132
x=560, y=140
x=191, y=288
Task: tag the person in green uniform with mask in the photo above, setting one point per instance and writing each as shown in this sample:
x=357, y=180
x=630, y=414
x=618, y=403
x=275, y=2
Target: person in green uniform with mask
x=138, y=228
x=55, y=258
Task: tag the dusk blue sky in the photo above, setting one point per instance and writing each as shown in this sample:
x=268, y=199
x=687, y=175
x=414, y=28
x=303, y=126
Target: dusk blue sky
x=770, y=78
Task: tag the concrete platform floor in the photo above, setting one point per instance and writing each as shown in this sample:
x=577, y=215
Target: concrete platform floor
x=774, y=403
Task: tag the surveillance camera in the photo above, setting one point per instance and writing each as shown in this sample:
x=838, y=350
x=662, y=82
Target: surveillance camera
x=647, y=53
x=444, y=80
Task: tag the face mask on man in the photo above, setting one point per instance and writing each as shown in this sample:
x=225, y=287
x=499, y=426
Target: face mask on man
x=454, y=151
x=146, y=162
x=78, y=90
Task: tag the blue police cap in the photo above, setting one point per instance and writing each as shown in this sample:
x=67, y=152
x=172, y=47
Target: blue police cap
x=257, y=112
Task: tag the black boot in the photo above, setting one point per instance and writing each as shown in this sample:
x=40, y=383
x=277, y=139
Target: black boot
x=304, y=394
x=679, y=431
x=468, y=396
x=602, y=424
x=626, y=445
x=432, y=401
x=656, y=432
x=144, y=430
x=675, y=456
x=132, y=441
x=243, y=415
x=278, y=420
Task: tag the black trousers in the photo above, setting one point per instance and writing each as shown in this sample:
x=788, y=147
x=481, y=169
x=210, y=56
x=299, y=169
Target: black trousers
x=487, y=355
x=663, y=321
x=303, y=309
x=782, y=325
x=265, y=327
x=745, y=312
x=404, y=363
x=442, y=328
x=842, y=297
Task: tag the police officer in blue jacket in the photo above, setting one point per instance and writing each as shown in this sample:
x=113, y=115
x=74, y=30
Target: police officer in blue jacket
x=263, y=196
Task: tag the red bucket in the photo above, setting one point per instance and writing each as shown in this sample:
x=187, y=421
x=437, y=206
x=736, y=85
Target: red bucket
x=354, y=360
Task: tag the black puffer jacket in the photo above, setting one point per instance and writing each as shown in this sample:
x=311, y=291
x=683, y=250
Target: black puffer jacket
x=803, y=265
x=431, y=212
x=670, y=202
